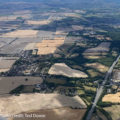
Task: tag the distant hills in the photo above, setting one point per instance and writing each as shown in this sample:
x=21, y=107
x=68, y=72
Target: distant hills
x=68, y=1
x=75, y=3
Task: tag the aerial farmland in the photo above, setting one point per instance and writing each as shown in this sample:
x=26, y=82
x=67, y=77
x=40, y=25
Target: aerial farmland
x=56, y=57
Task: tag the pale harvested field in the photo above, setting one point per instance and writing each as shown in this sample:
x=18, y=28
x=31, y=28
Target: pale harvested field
x=49, y=46
x=63, y=69
x=50, y=43
x=12, y=105
x=114, y=98
x=30, y=46
x=6, y=63
x=46, y=35
x=4, y=70
x=93, y=57
x=59, y=38
x=13, y=17
x=7, y=18
x=65, y=113
x=21, y=34
x=46, y=50
x=14, y=48
x=77, y=27
x=116, y=76
x=42, y=22
x=22, y=12
x=100, y=50
x=103, y=47
x=9, y=83
x=114, y=111
x=98, y=66
x=65, y=29
x=46, y=46
x=72, y=40
x=93, y=73
x=71, y=15
x=61, y=32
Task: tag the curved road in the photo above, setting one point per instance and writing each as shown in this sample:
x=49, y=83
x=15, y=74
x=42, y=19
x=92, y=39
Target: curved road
x=100, y=90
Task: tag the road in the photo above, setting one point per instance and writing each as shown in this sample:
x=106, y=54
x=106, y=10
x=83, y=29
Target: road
x=100, y=90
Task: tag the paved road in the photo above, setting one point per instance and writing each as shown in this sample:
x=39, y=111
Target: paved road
x=100, y=90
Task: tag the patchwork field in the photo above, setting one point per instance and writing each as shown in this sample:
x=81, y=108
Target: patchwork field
x=114, y=98
x=93, y=73
x=98, y=51
x=71, y=15
x=116, y=76
x=77, y=27
x=9, y=83
x=20, y=40
x=21, y=12
x=49, y=46
x=30, y=46
x=56, y=114
x=63, y=69
x=14, y=48
x=98, y=66
x=21, y=34
x=12, y=105
x=114, y=111
x=58, y=32
x=41, y=22
x=6, y=63
x=5, y=18
x=72, y=40
x=14, y=17
x=46, y=46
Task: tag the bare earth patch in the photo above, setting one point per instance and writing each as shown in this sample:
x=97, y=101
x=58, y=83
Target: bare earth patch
x=63, y=69
x=21, y=34
x=29, y=102
x=114, y=98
